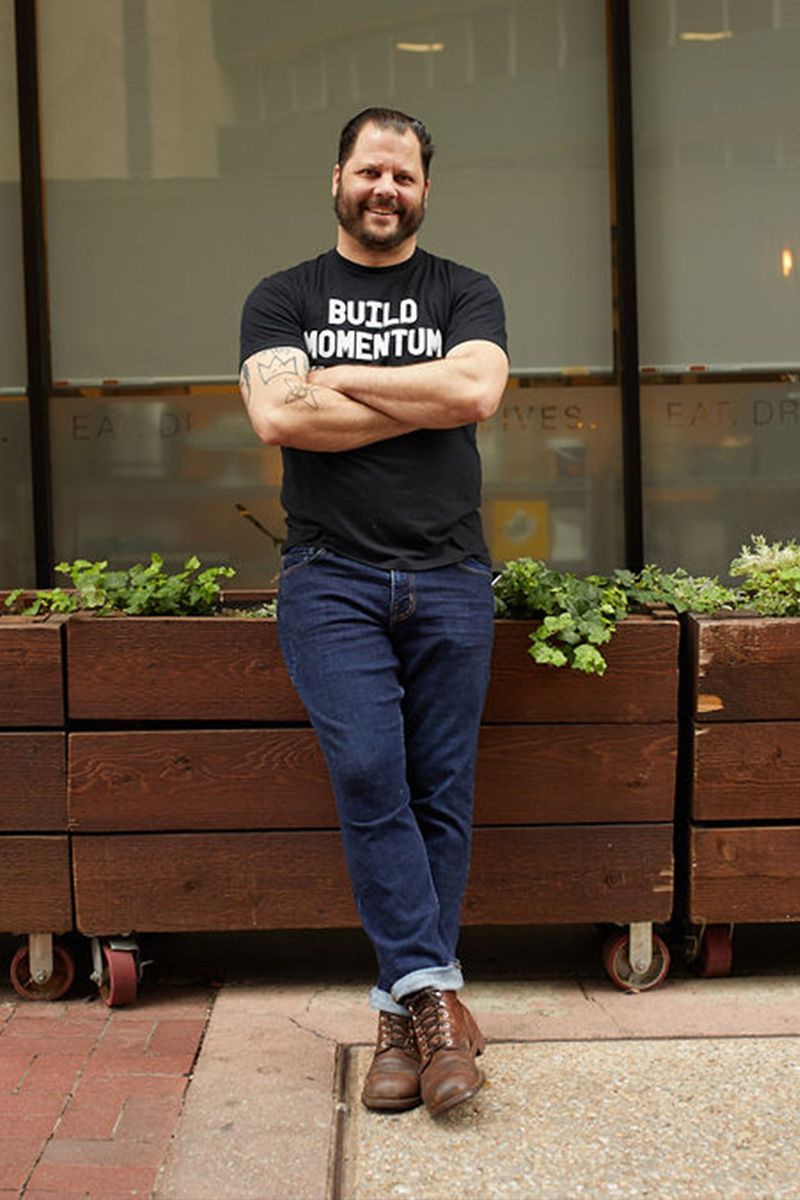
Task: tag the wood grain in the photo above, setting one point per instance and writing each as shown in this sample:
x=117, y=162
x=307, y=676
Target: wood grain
x=35, y=896
x=747, y=874
x=33, y=782
x=31, y=674
x=745, y=668
x=296, y=880
x=746, y=771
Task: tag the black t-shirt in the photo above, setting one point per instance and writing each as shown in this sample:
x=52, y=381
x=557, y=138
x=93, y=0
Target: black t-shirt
x=410, y=502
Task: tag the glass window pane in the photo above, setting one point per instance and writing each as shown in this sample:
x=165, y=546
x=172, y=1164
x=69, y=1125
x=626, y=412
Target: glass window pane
x=188, y=146
x=720, y=463
x=167, y=474
x=13, y=371
x=717, y=151
x=552, y=470
x=17, y=561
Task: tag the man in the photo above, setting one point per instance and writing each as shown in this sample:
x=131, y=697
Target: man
x=369, y=366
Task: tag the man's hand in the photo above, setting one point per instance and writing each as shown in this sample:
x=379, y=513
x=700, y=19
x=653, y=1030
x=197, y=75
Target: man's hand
x=286, y=408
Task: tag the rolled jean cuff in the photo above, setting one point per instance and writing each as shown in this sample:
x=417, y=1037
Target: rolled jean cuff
x=446, y=979
x=383, y=1002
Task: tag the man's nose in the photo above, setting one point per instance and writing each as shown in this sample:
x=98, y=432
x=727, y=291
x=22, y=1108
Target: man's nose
x=386, y=186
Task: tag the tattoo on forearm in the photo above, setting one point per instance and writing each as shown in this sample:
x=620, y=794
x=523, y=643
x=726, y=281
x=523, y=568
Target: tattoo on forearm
x=244, y=383
x=288, y=366
x=302, y=392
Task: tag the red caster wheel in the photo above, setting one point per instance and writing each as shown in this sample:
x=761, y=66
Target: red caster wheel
x=715, y=956
x=53, y=988
x=618, y=964
x=120, y=976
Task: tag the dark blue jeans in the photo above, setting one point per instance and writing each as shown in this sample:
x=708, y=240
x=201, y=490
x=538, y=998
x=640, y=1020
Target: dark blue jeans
x=392, y=667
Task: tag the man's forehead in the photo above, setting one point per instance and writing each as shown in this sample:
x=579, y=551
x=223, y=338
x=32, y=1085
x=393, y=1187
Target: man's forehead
x=373, y=140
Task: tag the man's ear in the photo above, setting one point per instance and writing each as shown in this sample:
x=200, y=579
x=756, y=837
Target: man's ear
x=337, y=174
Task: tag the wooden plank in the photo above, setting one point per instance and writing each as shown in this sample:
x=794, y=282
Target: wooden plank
x=296, y=880
x=746, y=771
x=747, y=874
x=35, y=896
x=206, y=779
x=31, y=674
x=178, y=669
x=640, y=684
x=199, y=779
x=201, y=881
x=33, y=784
x=575, y=774
x=225, y=668
x=745, y=668
x=554, y=874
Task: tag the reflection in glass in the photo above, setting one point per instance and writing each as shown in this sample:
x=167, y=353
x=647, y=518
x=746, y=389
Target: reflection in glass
x=553, y=477
x=169, y=474
x=720, y=463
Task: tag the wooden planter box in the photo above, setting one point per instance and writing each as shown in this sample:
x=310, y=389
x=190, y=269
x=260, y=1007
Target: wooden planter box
x=198, y=798
x=35, y=895
x=743, y=854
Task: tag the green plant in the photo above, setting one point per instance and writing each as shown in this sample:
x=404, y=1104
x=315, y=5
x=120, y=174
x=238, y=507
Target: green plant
x=771, y=574
x=677, y=590
x=142, y=590
x=578, y=614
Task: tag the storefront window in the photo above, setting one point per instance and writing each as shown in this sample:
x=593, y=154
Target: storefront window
x=172, y=473
x=188, y=148
x=716, y=95
x=721, y=464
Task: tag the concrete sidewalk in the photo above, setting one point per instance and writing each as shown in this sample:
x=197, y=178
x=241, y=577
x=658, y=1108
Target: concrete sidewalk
x=237, y=1074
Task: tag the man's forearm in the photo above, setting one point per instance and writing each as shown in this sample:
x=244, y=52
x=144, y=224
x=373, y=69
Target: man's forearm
x=286, y=409
x=441, y=394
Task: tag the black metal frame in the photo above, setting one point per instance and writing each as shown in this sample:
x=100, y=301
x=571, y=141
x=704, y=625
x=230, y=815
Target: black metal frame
x=37, y=327
x=627, y=332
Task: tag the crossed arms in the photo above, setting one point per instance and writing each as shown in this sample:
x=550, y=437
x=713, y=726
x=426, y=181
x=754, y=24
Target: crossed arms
x=344, y=407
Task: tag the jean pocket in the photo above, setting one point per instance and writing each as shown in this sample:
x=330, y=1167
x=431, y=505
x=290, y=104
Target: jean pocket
x=476, y=566
x=299, y=556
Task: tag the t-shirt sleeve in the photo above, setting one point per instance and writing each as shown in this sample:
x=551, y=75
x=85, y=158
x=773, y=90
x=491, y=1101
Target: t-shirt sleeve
x=270, y=317
x=477, y=312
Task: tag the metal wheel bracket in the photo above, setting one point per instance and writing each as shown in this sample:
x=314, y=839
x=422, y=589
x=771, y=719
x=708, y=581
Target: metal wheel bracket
x=640, y=946
x=114, y=943
x=40, y=956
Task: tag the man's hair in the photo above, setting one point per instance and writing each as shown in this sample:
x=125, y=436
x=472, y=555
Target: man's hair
x=386, y=118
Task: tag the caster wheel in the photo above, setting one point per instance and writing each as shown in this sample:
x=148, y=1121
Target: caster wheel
x=715, y=957
x=120, y=977
x=618, y=966
x=53, y=988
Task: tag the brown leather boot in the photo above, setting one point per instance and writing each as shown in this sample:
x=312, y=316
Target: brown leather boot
x=449, y=1040
x=392, y=1083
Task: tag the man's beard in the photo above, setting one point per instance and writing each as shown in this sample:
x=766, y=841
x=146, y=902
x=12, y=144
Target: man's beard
x=349, y=213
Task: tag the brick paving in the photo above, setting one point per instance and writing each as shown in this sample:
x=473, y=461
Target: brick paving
x=90, y=1096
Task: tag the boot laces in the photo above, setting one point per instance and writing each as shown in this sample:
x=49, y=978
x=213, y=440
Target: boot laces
x=396, y=1033
x=433, y=1022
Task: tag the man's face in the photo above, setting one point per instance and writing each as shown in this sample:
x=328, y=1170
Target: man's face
x=381, y=191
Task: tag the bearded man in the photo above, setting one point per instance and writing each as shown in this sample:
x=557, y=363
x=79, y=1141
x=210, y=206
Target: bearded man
x=370, y=366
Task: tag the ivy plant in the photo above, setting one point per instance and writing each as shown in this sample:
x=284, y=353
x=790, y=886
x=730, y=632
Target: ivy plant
x=141, y=590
